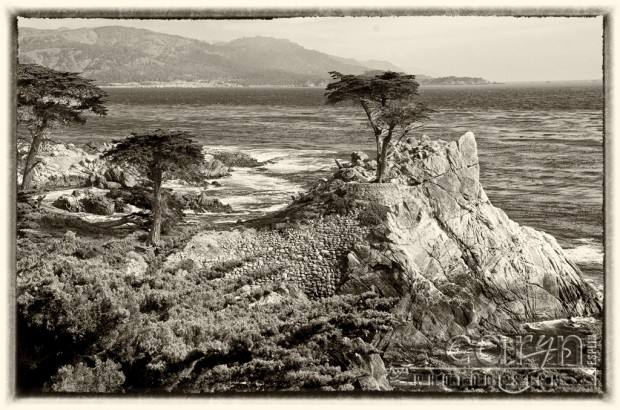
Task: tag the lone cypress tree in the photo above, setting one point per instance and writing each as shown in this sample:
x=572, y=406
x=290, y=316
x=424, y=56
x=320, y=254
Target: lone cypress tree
x=388, y=99
x=47, y=100
x=159, y=155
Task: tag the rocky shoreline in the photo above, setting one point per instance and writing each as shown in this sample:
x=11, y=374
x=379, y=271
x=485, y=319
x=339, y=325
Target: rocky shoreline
x=61, y=166
x=429, y=241
x=430, y=237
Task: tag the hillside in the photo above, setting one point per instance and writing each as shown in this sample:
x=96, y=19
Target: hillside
x=128, y=55
x=124, y=55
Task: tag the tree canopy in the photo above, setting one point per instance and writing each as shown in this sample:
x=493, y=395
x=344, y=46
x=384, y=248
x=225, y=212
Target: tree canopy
x=388, y=99
x=174, y=153
x=48, y=99
x=381, y=88
x=159, y=155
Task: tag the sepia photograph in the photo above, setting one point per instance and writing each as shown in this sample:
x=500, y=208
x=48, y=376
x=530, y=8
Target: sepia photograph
x=299, y=203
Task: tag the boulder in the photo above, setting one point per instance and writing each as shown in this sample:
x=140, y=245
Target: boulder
x=353, y=262
x=121, y=176
x=200, y=202
x=97, y=181
x=360, y=360
x=136, y=265
x=138, y=197
x=215, y=169
x=358, y=156
x=355, y=174
x=68, y=203
x=128, y=180
x=98, y=205
x=61, y=165
x=114, y=174
x=112, y=185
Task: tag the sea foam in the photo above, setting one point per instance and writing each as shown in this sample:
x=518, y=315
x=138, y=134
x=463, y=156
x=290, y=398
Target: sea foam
x=588, y=251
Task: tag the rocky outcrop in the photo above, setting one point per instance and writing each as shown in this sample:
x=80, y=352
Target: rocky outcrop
x=98, y=205
x=430, y=238
x=199, y=202
x=86, y=201
x=63, y=165
x=68, y=203
x=234, y=159
x=215, y=168
x=367, y=365
x=118, y=175
x=67, y=165
x=457, y=263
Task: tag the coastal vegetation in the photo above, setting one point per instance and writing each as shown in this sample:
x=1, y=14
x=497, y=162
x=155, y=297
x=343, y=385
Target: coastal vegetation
x=107, y=315
x=49, y=100
x=388, y=99
x=159, y=155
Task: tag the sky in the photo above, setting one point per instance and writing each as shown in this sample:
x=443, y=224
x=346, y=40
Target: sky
x=503, y=49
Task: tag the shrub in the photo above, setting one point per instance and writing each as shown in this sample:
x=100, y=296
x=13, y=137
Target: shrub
x=182, y=333
x=104, y=377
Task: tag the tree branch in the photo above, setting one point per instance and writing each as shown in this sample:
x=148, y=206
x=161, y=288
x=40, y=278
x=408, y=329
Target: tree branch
x=406, y=132
x=368, y=111
x=33, y=166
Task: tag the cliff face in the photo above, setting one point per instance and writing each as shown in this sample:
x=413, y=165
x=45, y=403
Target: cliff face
x=457, y=263
x=430, y=238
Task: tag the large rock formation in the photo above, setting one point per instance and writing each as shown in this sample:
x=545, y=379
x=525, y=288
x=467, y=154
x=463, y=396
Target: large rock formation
x=457, y=263
x=430, y=238
x=63, y=165
x=67, y=165
x=87, y=201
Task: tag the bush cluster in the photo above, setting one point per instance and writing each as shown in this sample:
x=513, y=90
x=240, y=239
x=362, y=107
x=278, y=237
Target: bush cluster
x=103, y=315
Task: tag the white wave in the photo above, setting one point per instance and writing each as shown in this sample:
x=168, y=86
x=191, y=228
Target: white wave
x=268, y=154
x=589, y=252
x=274, y=208
x=250, y=178
x=292, y=165
x=575, y=322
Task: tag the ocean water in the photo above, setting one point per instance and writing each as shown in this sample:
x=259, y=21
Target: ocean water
x=540, y=146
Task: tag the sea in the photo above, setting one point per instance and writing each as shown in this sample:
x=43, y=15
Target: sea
x=540, y=146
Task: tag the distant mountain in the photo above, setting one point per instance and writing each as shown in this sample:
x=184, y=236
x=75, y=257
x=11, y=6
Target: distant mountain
x=124, y=55
x=128, y=55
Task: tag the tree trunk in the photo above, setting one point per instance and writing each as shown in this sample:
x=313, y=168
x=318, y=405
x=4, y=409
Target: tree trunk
x=154, y=235
x=382, y=161
x=37, y=139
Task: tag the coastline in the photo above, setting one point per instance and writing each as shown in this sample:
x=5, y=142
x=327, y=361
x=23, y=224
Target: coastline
x=459, y=85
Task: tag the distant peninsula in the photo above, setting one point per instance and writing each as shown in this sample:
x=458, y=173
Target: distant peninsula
x=452, y=80
x=130, y=57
